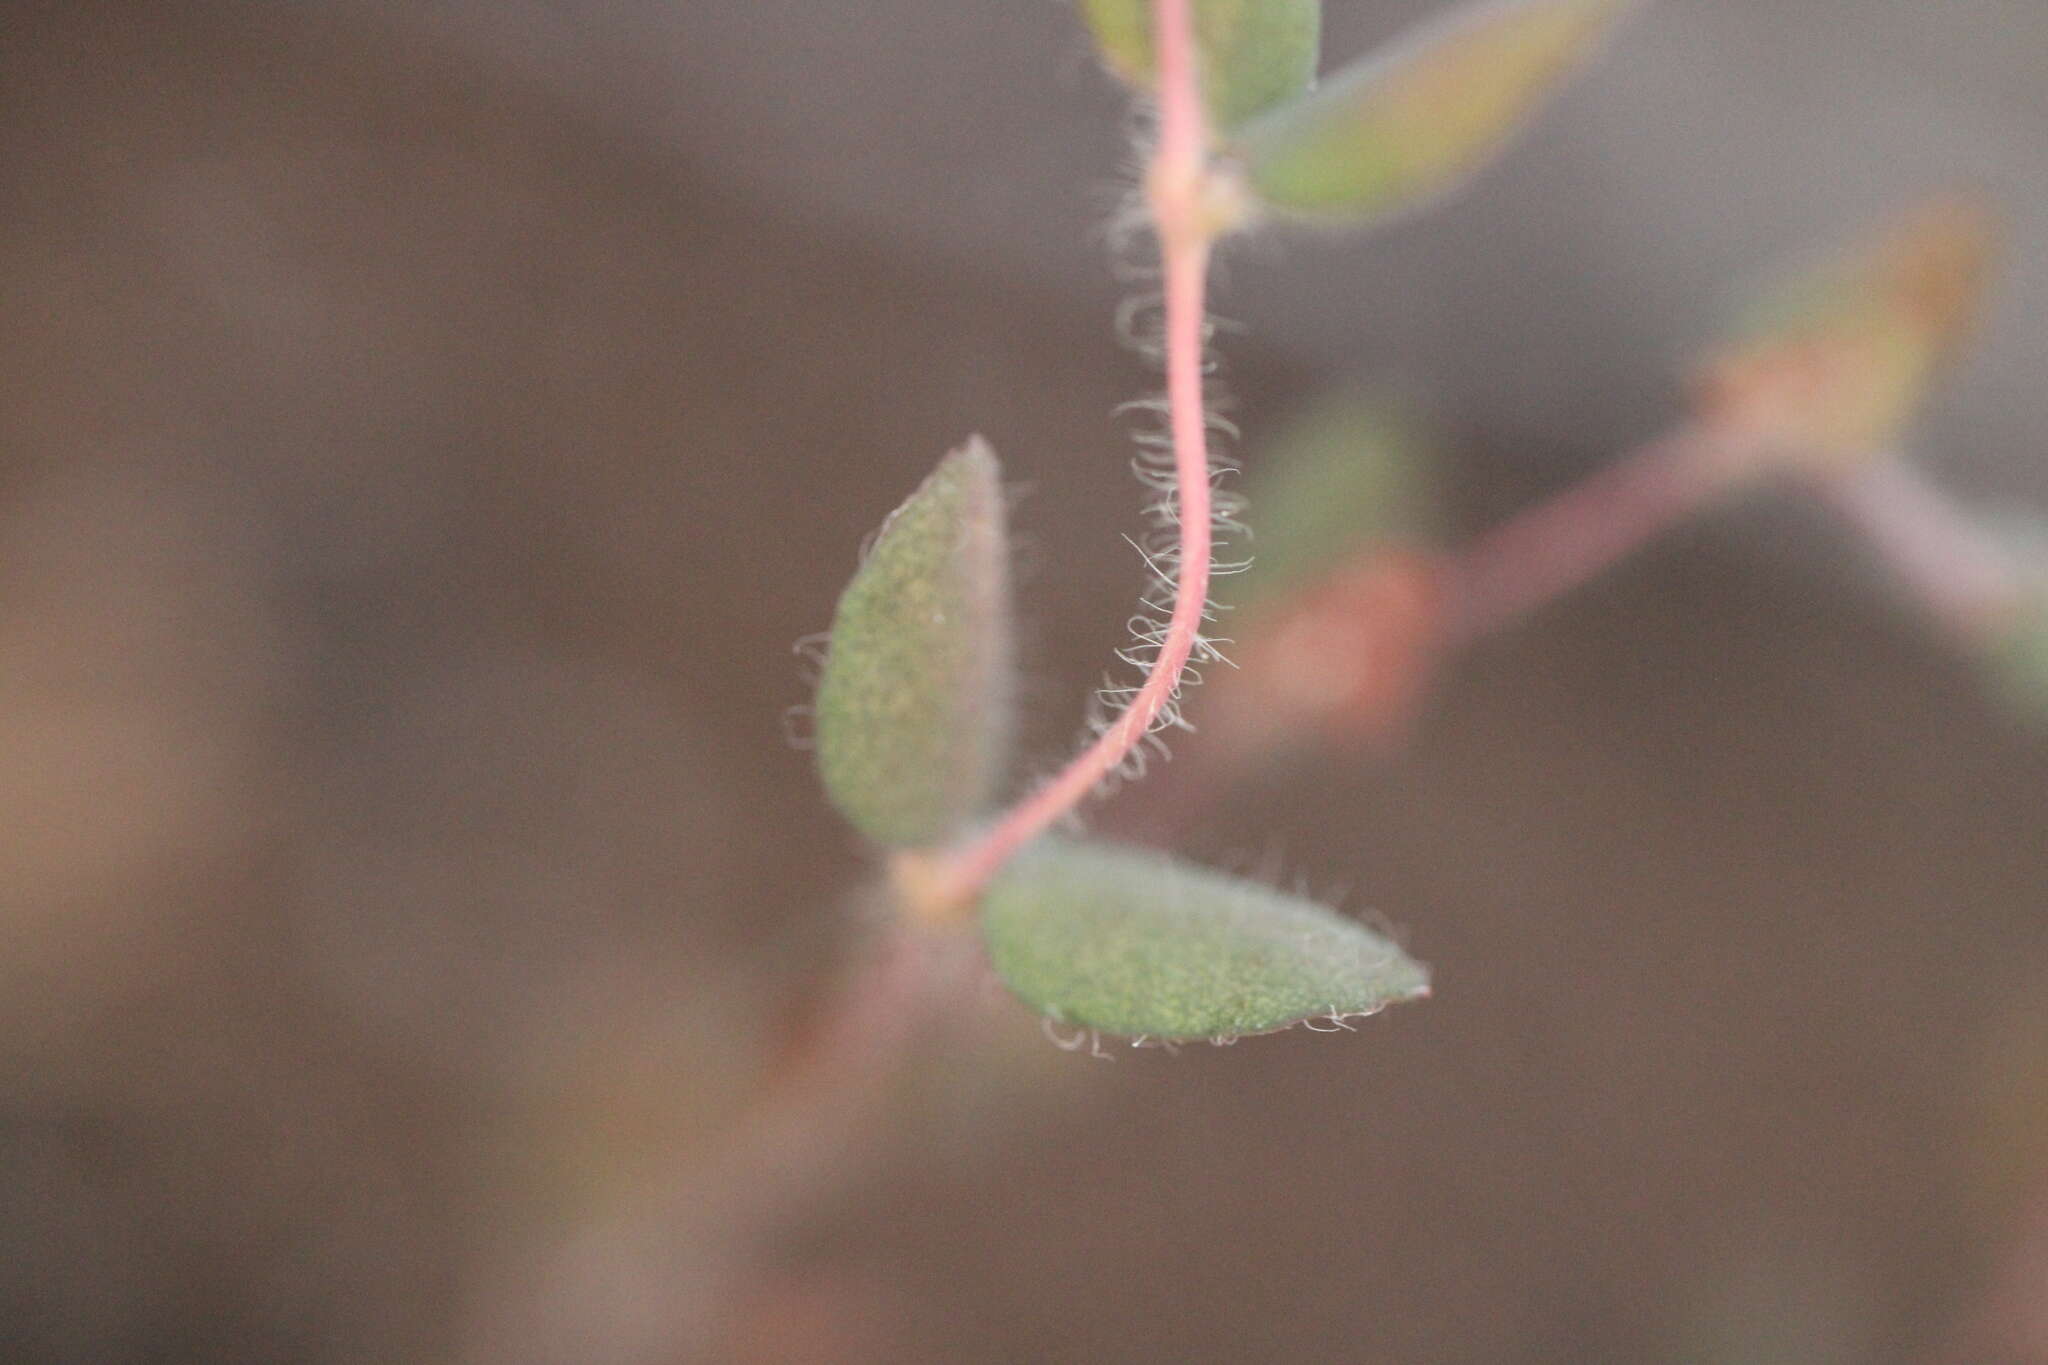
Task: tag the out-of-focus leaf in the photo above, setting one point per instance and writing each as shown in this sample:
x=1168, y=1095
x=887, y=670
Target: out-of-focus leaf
x=1406, y=126
x=1138, y=944
x=914, y=707
x=1351, y=475
x=2019, y=656
x=1340, y=614
x=1252, y=54
x=1341, y=609
x=1350, y=654
x=1830, y=367
x=1982, y=571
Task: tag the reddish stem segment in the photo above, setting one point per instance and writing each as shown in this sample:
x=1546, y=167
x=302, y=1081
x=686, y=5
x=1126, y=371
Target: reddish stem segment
x=1562, y=542
x=1177, y=188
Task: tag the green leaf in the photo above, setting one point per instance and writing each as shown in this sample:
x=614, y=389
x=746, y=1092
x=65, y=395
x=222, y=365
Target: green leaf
x=1350, y=475
x=1253, y=54
x=1404, y=127
x=914, y=707
x=1139, y=944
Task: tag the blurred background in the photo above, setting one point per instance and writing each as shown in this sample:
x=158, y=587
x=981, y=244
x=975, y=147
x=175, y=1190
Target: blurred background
x=424, y=428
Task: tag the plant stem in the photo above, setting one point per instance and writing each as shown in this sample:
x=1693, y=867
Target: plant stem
x=1967, y=582
x=1179, y=195
x=1562, y=542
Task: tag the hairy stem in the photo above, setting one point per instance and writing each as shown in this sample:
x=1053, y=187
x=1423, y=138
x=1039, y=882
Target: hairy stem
x=1178, y=193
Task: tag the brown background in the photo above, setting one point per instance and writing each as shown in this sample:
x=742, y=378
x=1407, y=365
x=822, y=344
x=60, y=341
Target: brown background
x=423, y=430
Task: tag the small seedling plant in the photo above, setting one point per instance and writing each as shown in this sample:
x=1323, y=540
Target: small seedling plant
x=1358, y=593
x=914, y=705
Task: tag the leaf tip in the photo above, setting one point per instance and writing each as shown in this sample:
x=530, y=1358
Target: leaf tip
x=1834, y=361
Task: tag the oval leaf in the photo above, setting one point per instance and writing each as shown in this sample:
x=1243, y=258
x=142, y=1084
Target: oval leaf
x=1139, y=944
x=1404, y=127
x=1832, y=365
x=914, y=706
x=1254, y=54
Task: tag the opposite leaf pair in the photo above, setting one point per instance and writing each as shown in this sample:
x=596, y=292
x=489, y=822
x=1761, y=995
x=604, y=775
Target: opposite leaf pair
x=914, y=726
x=914, y=718
x=914, y=707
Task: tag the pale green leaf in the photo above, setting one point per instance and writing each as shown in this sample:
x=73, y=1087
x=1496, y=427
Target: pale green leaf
x=914, y=707
x=2015, y=635
x=2018, y=657
x=1139, y=944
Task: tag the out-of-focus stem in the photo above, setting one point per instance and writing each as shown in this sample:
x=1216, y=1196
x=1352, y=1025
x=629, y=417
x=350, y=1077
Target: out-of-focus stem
x=1528, y=560
x=1969, y=583
x=649, y=1282
x=799, y=1126
x=1557, y=545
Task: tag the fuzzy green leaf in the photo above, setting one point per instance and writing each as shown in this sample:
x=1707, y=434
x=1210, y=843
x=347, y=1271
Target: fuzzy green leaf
x=914, y=707
x=1139, y=944
x=1407, y=126
x=1254, y=54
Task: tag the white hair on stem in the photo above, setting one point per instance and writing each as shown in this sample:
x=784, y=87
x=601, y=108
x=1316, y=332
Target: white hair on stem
x=1140, y=324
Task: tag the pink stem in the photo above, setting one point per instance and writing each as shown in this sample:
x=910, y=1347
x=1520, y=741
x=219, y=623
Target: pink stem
x=1176, y=188
x=1562, y=542
x=1966, y=581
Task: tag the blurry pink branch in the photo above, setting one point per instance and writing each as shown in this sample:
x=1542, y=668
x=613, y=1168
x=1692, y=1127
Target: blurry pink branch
x=658, y=1281
x=1559, y=544
x=1969, y=583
